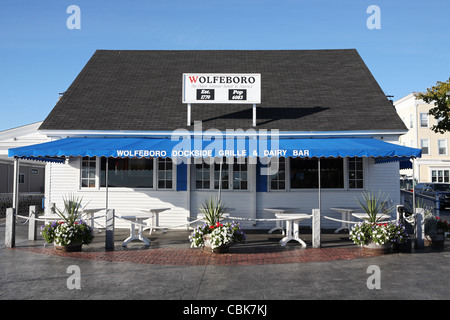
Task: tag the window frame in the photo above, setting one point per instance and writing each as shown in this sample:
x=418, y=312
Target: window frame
x=428, y=146
x=230, y=176
x=346, y=185
x=97, y=177
x=356, y=171
x=421, y=121
x=157, y=172
x=286, y=183
x=204, y=174
x=437, y=170
x=439, y=147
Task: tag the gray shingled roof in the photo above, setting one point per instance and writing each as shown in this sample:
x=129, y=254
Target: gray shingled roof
x=302, y=90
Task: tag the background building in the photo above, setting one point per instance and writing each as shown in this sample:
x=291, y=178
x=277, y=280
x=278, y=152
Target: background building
x=31, y=173
x=434, y=166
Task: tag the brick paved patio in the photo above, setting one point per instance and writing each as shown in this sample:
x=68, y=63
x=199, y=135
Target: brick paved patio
x=172, y=248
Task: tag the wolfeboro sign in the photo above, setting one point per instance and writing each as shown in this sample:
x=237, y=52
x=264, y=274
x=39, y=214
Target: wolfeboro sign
x=235, y=88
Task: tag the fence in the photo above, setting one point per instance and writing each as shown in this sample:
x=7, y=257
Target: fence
x=25, y=201
x=422, y=201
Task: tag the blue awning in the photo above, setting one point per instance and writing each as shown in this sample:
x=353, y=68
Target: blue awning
x=216, y=147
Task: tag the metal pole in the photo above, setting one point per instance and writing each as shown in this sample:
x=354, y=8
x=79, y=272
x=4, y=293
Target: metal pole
x=16, y=186
x=188, y=114
x=220, y=179
x=254, y=115
x=414, y=187
x=106, y=183
x=320, y=195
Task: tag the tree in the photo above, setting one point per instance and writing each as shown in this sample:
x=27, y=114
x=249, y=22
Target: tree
x=440, y=96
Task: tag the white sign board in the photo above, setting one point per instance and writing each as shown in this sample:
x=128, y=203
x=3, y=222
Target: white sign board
x=222, y=88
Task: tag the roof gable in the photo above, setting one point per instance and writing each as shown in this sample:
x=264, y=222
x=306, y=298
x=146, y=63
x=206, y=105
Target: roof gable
x=301, y=90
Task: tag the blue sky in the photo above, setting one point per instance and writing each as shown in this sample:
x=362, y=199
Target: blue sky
x=40, y=56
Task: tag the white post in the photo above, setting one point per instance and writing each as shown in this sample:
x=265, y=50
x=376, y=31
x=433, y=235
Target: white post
x=188, y=114
x=10, y=228
x=420, y=227
x=32, y=225
x=109, y=237
x=316, y=228
x=254, y=115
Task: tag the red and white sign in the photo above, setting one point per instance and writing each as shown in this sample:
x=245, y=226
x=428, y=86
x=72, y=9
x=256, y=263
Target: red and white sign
x=222, y=88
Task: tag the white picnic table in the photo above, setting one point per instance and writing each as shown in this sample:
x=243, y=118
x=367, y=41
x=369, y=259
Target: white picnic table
x=138, y=219
x=292, y=227
x=153, y=215
x=279, y=210
x=346, y=216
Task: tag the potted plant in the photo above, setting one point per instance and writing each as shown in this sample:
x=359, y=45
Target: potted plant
x=373, y=205
x=380, y=236
x=371, y=234
x=213, y=235
x=435, y=230
x=71, y=232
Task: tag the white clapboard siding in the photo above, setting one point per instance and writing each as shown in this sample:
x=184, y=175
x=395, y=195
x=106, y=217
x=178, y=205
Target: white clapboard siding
x=63, y=179
x=382, y=178
x=239, y=201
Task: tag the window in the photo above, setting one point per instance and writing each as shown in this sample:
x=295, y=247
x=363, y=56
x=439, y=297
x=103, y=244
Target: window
x=88, y=172
x=127, y=173
x=21, y=178
x=202, y=176
x=442, y=146
x=304, y=173
x=240, y=179
x=424, y=120
x=440, y=176
x=355, y=173
x=207, y=176
x=165, y=173
x=225, y=175
x=411, y=121
x=424, y=146
x=278, y=180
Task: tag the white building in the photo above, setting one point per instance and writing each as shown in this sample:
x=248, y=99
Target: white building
x=123, y=108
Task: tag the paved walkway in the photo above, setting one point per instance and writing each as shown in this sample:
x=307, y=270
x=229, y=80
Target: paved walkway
x=258, y=270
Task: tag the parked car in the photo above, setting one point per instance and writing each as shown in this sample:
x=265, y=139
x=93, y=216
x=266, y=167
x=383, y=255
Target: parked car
x=438, y=189
x=419, y=187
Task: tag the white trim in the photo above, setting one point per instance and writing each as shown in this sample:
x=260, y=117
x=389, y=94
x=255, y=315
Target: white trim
x=247, y=133
x=98, y=187
x=431, y=169
x=345, y=187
